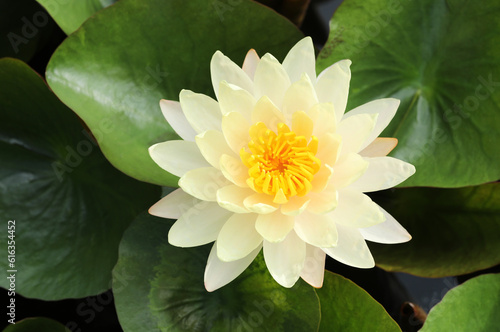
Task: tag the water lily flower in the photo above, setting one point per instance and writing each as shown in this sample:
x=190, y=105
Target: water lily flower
x=276, y=163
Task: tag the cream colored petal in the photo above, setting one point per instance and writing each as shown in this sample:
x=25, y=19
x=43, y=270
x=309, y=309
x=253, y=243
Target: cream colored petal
x=285, y=260
x=383, y=173
x=234, y=99
x=355, y=131
x=234, y=170
x=323, y=117
x=295, y=206
x=301, y=59
x=351, y=249
x=274, y=227
x=250, y=63
x=219, y=273
x=223, y=69
x=201, y=111
x=333, y=86
x=231, y=198
x=348, y=169
x=173, y=205
x=385, y=108
x=380, y=147
x=260, y=203
x=302, y=125
x=177, y=157
x=203, y=183
x=321, y=178
x=300, y=96
x=355, y=209
x=198, y=226
x=271, y=80
x=172, y=112
x=235, y=128
x=316, y=229
x=212, y=146
x=314, y=267
x=324, y=201
x=238, y=237
x=389, y=231
x=266, y=112
x=329, y=147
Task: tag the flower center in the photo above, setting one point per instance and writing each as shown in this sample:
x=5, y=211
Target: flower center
x=281, y=164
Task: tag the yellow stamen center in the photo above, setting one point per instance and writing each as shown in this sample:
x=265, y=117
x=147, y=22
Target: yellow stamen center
x=281, y=164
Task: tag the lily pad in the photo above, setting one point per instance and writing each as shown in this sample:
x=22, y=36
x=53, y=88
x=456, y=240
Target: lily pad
x=347, y=307
x=67, y=205
x=70, y=14
x=472, y=306
x=440, y=58
x=455, y=231
x=158, y=287
x=39, y=324
x=127, y=57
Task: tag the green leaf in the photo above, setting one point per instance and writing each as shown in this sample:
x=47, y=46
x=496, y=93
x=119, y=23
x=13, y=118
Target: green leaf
x=158, y=287
x=472, y=306
x=455, y=231
x=70, y=14
x=69, y=205
x=119, y=65
x=440, y=58
x=347, y=307
x=38, y=324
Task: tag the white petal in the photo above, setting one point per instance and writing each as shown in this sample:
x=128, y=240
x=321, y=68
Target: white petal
x=324, y=201
x=267, y=113
x=202, y=112
x=231, y=198
x=235, y=128
x=203, y=183
x=285, y=260
x=172, y=112
x=177, y=157
x=274, y=227
x=260, y=203
x=380, y=147
x=355, y=209
x=385, y=108
x=173, y=205
x=390, y=231
x=295, y=206
x=219, y=273
x=238, y=237
x=250, y=63
x=234, y=170
x=348, y=169
x=355, y=130
x=300, y=96
x=316, y=229
x=321, y=178
x=329, y=147
x=301, y=59
x=333, y=86
x=351, y=249
x=383, y=173
x=212, y=146
x=223, y=69
x=314, y=267
x=323, y=116
x=234, y=99
x=271, y=80
x=199, y=225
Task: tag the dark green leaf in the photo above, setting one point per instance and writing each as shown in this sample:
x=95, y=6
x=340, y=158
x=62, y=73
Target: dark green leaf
x=440, y=58
x=70, y=14
x=347, y=307
x=455, y=231
x=69, y=205
x=158, y=287
x=472, y=306
x=38, y=324
x=119, y=65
